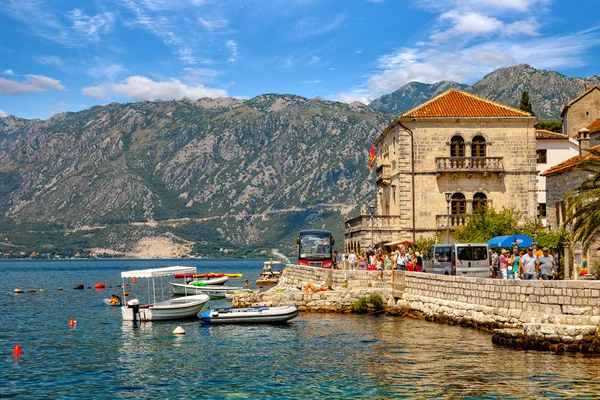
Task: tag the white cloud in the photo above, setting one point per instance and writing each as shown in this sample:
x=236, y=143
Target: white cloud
x=49, y=60
x=312, y=82
x=96, y=92
x=32, y=83
x=472, y=24
x=473, y=38
x=91, y=27
x=108, y=70
x=312, y=61
x=3, y=114
x=8, y=72
x=310, y=26
x=358, y=51
x=233, y=50
x=161, y=26
x=199, y=75
x=143, y=88
x=487, y=6
x=214, y=25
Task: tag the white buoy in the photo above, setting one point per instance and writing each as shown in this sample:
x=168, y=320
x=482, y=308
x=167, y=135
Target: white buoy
x=179, y=331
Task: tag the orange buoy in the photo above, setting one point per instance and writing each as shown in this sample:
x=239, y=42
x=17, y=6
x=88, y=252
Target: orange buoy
x=17, y=350
x=126, y=283
x=133, y=279
x=99, y=286
x=72, y=322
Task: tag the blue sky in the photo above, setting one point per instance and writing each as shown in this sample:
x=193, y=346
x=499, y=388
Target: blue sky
x=67, y=55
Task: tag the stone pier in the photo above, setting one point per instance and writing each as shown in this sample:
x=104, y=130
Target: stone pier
x=545, y=315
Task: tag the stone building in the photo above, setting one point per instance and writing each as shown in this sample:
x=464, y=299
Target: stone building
x=474, y=150
x=581, y=111
x=551, y=149
x=564, y=177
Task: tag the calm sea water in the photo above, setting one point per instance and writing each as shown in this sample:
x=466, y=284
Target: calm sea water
x=314, y=356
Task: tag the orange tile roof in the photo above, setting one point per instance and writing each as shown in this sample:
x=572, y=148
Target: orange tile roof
x=456, y=103
x=567, y=164
x=594, y=126
x=544, y=134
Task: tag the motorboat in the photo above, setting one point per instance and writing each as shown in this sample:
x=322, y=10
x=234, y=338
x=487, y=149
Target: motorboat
x=214, y=291
x=209, y=281
x=252, y=315
x=271, y=271
x=177, y=308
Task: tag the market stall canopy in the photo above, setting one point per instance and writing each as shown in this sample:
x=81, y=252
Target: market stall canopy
x=510, y=240
x=152, y=272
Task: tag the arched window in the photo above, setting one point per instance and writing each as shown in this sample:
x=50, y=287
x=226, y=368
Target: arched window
x=478, y=147
x=459, y=203
x=479, y=201
x=457, y=146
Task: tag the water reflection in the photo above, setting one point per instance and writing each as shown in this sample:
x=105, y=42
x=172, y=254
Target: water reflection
x=315, y=356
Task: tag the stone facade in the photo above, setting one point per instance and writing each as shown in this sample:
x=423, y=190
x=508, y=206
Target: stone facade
x=581, y=111
x=418, y=161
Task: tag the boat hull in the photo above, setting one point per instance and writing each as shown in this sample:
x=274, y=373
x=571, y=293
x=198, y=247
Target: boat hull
x=215, y=292
x=180, y=308
x=255, y=315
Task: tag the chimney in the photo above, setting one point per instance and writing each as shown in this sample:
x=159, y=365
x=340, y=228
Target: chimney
x=587, y=86
x=583, y=137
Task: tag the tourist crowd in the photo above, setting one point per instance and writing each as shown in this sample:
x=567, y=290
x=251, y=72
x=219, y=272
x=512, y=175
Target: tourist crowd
x=534, y=263
x=405, y=260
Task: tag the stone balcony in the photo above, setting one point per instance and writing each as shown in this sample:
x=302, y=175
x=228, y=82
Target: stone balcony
x=384, y=174
x=367, y=232
x=469, y=165
x=456, y=221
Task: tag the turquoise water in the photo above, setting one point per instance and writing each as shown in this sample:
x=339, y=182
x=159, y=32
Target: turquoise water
x=314, y=356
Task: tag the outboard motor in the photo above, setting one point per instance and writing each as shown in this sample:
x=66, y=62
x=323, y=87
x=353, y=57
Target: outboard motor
x=135, y=305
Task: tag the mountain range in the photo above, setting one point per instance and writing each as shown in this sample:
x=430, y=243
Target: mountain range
x=548, y=91
x=211, y=176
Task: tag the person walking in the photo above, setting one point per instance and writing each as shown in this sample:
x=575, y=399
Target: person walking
x=513, y=263
x=503, y=264
x=527, y=265
x=343, y=261
x=495, y=265
x=352, y=260
x=546, y=265
x=400, y=260
x=388, y=261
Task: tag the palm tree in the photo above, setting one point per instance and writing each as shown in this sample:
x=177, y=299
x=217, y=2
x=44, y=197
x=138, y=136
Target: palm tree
x=584, y=202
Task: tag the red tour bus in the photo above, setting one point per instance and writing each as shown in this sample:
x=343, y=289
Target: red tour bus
x=315, y=248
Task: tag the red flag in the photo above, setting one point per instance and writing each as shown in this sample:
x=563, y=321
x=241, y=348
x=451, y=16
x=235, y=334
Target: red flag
x=372, y=156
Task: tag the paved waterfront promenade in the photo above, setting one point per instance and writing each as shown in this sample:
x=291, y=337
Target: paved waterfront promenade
x=552, y=315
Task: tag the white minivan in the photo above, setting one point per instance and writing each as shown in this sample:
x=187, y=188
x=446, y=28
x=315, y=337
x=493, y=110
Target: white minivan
x=460, y=259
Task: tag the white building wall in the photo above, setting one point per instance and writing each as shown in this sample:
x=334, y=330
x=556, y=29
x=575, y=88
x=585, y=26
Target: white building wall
x=557, y=152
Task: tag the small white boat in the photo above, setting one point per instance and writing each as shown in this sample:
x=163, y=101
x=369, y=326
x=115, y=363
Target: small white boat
x=214, y=291
x=183, y=307
x=210, y=281
x=253, y=315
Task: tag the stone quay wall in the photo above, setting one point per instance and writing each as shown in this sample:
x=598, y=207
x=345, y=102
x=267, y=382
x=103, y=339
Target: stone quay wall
x=545, y=315
x=288, y=291
x=540, y=315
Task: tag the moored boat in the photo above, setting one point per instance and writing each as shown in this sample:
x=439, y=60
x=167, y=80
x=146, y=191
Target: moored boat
x=183, y=307
x=252, y=315
x=214, y=291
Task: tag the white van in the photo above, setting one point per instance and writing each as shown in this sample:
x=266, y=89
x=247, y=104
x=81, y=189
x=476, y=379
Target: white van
x=460, y=259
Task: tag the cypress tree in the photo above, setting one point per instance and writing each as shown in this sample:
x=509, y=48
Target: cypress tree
x=525, y=104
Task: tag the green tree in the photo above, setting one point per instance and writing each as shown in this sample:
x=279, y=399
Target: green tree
x=552, y=126
x=584, y=202
x=525, y=104
x=486, y=223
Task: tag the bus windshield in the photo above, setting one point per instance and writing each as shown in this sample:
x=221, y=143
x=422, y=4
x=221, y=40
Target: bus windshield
x=315, y=247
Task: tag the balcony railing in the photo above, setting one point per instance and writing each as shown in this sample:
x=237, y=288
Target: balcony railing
x=380, y=222
x=456, y=220
x=469, y=165
x=384, y=174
